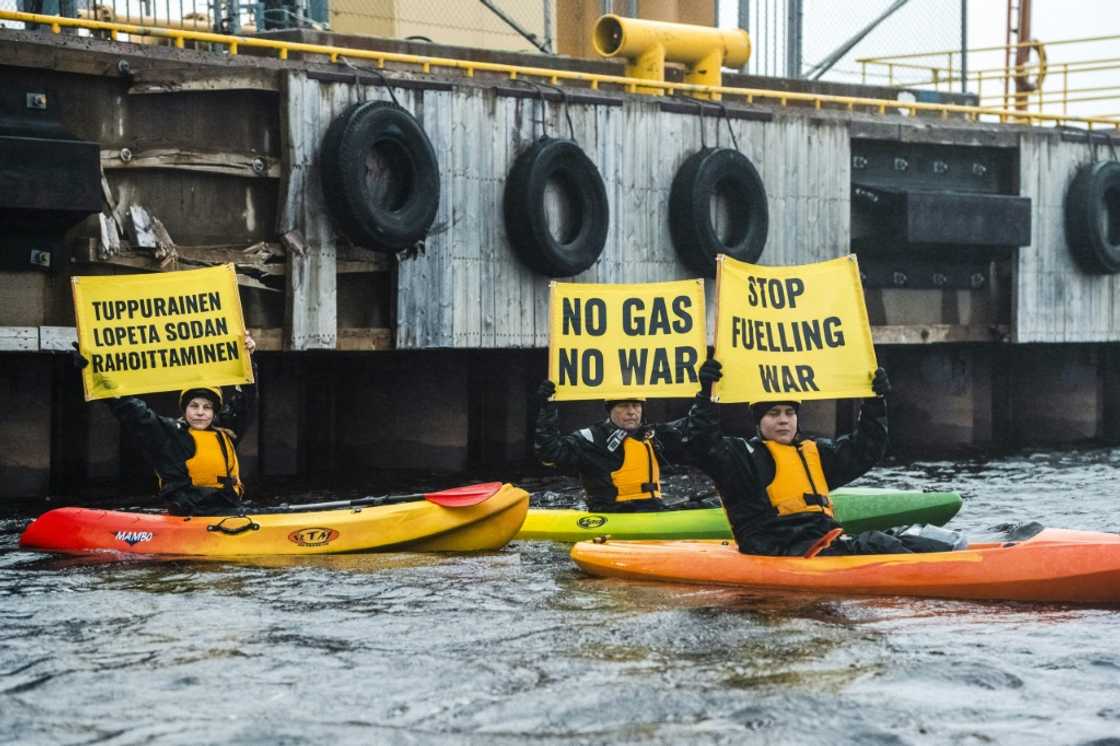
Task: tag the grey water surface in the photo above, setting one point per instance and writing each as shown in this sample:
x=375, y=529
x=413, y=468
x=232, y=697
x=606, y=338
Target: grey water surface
x=519, y=646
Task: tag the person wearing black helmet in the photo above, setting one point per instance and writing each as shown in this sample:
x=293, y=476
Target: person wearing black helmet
x=775, y=485
x=619, y=459
x=194, y=456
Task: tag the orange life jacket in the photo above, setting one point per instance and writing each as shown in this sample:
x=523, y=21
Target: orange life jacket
x=639, y=477
x=799, y=485
x=214, y=463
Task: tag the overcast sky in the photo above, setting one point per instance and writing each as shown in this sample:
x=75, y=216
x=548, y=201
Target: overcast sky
x=929, y=25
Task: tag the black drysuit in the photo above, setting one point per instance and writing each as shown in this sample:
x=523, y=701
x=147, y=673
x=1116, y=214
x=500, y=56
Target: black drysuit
x=596, y=452
x=742, y=469
x=167, y=445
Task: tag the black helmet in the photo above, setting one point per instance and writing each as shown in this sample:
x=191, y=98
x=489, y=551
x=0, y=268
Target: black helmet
x=204, y=392
x=610, y=403
x=759, y=408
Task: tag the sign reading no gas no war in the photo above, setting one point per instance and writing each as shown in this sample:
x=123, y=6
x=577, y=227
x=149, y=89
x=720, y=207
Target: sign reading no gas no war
x=614, y=341
x=160, y=332
x=799, y=332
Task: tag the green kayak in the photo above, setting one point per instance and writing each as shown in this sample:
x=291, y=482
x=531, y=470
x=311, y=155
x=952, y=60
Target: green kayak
x=857, y=509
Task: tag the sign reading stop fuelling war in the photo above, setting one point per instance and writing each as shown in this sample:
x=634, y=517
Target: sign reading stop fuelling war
x=796, y=332
x=615, y=341
x=160, y=332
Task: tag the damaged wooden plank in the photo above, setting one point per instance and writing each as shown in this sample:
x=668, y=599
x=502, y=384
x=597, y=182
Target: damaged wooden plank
x=148, y=232
x=365, y=339
x=268, y=339
x=357, y=255
x=110, y=237
x=146, y=82
x=149, y=263
x=264, y=258
x=258, y=254
x=358, y=339
x=916, y=334
x=249, y=165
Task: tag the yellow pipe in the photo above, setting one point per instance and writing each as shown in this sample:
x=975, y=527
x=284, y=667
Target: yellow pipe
x=648, y=45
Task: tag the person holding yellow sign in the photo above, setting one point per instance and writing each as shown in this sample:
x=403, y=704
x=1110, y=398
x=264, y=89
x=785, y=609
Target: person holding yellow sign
x=618, y=460
x=775, y=486
x=194, y=456
x=143, y=333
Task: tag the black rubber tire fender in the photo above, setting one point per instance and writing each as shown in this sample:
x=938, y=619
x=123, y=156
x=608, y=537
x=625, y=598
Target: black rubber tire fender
x=690, y=223
x=330, y=175
x=365, y=146
x=1093, y=217
x=563, y=163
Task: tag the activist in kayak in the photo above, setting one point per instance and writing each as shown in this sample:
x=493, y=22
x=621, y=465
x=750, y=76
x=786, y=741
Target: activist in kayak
x=618, y=460
x=775, y=486
x=194, y=456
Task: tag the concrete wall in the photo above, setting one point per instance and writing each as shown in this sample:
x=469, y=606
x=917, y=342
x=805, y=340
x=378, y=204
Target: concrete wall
x=25, y=427
x=942, y=398
x=1058, y=393
x=331, y=419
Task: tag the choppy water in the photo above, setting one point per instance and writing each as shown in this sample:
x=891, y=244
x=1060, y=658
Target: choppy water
x=519, y=646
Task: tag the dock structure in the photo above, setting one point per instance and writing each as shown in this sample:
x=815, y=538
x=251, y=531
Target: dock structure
x=994, y=329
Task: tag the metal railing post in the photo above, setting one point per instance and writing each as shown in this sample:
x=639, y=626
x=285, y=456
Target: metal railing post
x=547, y=24
x=964, y=46
x=793, y=38
x=744, y=23
x=1065, y=88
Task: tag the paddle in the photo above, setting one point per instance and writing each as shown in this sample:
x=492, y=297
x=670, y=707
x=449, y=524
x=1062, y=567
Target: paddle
x=457, y=497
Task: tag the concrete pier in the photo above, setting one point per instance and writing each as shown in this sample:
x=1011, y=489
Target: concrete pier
x=328, y=418
x=426, y=358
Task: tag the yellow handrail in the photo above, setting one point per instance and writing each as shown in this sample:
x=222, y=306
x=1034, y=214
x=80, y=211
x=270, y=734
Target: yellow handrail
x=1028, y=93
x=594, y=80
x=999, y=48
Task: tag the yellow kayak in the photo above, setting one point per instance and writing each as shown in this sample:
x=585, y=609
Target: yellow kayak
x=466, y=519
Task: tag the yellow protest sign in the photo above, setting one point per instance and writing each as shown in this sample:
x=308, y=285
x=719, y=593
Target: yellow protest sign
x=160, y=332
x=615, y=341
x=796, y=332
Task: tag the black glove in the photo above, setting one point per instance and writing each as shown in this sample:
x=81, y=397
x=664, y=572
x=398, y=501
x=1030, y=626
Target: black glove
x=710, y=372
x=77, y=359
x=545, y=391
x=880, y=384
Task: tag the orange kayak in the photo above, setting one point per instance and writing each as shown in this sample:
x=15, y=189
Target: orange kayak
x=1054, y=565
x=466, y=519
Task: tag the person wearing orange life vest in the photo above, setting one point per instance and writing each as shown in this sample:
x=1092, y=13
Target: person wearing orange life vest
x=775, y=486
x=618, y=460
x=194, y=456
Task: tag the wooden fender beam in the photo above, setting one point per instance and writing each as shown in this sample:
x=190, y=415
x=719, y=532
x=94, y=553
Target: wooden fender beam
x=249, y=165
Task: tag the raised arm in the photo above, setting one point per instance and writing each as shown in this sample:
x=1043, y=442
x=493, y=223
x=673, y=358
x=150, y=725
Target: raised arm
x=151, y=430
x=851, y=456
x=550, y=446
x=240, y=409
x=702, y=430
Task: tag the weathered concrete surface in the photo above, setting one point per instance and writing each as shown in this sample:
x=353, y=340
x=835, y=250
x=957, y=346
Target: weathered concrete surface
x=328, y=418
x=25, y=427
x=941, y=398
x=1110, y=410
x=400, y=411
x=279, y=418
x=1058, y=394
